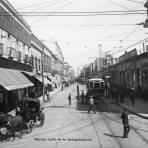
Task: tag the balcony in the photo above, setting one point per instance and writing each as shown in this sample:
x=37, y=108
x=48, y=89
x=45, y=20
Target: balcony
x=12, y=59
x=11, y=64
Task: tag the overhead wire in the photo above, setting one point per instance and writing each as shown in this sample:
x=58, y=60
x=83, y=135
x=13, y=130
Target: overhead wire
x=91, y=14
x=130, y=46
x=117, y=4
x=85, y=25
x=121, y=17
x=132, y=32
x=140, y=2
x=60, y=8
x=61, y=12
x=38, y=4
x=37, y=9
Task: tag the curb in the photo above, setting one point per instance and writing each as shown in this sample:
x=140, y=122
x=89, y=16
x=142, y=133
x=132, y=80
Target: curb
x=51, y=94
x=144, y=117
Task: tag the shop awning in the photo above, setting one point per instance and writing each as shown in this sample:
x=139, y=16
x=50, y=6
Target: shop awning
x=46, y=81
x=52, y=78
x=13, y=79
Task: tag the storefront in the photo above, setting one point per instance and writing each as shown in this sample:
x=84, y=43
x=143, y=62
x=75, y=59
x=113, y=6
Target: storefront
x=13, y=88
x=36, y=79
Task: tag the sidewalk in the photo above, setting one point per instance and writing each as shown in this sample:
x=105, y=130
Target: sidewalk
x=140, y=107
x=51, y=94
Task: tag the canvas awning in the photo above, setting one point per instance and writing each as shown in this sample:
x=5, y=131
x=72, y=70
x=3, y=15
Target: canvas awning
x=46, y=81
x=52, y=78
x=13, y=79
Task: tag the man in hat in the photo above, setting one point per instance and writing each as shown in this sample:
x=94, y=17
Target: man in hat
x=91, y=105
x=126, y=125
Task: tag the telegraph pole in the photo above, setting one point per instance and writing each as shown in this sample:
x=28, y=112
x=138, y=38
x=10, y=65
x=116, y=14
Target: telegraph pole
x=42, y=60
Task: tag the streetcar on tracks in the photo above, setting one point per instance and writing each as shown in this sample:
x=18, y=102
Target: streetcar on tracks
x=95, y=88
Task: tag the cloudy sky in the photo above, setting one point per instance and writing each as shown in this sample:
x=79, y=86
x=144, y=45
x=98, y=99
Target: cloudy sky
x=81, y=35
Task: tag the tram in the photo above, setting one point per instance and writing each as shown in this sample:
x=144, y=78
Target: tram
x=95, y=88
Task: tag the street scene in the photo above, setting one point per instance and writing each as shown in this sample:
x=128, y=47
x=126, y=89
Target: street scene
x=71, y=126
x=73, y=73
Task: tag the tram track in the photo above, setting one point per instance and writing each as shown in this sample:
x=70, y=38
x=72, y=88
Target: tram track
x=132, y=127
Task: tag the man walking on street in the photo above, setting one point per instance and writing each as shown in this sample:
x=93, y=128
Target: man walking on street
x=91, y=105
x=126, y=125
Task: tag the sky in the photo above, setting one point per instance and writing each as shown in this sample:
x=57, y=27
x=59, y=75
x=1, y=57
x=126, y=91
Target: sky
x=82, y=37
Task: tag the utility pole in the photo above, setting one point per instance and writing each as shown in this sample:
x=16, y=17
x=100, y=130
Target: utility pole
x=42, y=60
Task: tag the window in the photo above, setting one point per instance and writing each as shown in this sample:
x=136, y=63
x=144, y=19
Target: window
x=4, y=38
x=91, y=84
x=96, y=85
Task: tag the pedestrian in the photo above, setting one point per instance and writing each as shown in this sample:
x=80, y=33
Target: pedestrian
x=125, y=122
x=78, y=92
x=62, y=88
x=91, y=105
x=82, y=96
x=132, y=96
x=48, y=97
x=69, y=98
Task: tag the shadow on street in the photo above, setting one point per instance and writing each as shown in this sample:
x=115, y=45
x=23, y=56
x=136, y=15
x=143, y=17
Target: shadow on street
x=112, y=135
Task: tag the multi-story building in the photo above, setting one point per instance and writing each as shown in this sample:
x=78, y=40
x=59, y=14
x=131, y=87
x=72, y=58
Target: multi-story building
x=23, y=57
x=57, y=61
x=15, y=46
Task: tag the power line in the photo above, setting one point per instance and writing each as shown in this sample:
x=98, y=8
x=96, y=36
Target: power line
x=130, y=46
x=60, y=8
x=135, y=1
x=83, y=25
x=38, y=4
x=115, y=3
x=134, y=30
x=33, y=11
x=61, y=12
x=97, y=14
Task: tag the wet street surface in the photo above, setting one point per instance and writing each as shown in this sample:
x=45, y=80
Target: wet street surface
x=71, y=126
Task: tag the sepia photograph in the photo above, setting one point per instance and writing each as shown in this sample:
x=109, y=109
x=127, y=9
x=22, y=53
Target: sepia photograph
x=73, y=73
